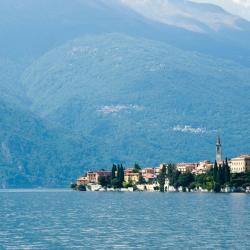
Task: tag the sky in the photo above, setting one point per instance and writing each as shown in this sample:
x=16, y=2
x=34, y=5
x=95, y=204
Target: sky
x=236, y=7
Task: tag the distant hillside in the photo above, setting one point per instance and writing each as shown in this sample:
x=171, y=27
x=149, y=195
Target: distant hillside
x=33, y=154
x=136, y=96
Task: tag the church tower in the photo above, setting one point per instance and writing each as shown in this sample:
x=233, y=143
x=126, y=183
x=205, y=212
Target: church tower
x=218, y=155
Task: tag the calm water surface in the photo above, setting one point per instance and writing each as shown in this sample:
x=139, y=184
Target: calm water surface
x=56, y=219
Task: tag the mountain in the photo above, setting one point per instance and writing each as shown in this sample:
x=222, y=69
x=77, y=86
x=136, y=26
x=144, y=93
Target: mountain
x=85, y=83
x=141, y=99
x=11, y=89
x=33, y=153
x=237, y=7
x=39, y=26
x=184, y=14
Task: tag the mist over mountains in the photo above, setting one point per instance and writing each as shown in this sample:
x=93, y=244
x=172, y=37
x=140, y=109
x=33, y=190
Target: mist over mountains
x=84, y=84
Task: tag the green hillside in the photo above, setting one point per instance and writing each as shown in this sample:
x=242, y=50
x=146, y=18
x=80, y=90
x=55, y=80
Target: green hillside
x=34, y=154
x=143, y=100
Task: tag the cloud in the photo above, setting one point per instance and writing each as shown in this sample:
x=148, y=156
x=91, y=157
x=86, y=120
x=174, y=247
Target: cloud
x=244, y=3
x=237, y=7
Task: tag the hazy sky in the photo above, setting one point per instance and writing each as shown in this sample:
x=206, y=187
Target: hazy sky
x=237, y=7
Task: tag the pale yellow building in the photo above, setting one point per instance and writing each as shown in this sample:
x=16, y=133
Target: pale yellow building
x=132, y=177
x=186, y=167
x=240, y=164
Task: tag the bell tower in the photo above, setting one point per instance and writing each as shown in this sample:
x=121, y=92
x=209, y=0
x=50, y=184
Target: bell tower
x=218, y=155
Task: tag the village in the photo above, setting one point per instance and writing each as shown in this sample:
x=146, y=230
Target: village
x=222, y=175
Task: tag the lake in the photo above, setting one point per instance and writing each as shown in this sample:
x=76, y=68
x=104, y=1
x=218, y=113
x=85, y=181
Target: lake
x=63, y=219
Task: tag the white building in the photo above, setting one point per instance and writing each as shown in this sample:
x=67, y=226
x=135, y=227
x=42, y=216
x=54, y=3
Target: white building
x=240, y=164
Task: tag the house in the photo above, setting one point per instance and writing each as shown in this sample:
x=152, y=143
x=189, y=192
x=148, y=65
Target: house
x=186, y=167
x=240, y=164
x=132, y=177
x=149, y=178
x=93, y=177
x=83, y=180
x=203, y=167
x=128, y=171
x=103, y=173
x=146, y=171
x=148, y=187
x=148, y=174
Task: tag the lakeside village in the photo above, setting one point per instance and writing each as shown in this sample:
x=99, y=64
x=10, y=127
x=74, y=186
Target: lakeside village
x=221, y=176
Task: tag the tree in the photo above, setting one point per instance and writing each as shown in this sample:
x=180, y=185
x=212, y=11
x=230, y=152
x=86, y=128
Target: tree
x=217, y=187
x=102, y=181
x=117, y=176
x=127, y=184
x=73, y=186
x=121, y=174
x=114, y=169
x=162, y=178
x=227, y=172
x=172, y=175
x=82, y=188
x=170, y=170
x=215, y=172
x=219, y=179
x=223, y=172
x=115, y=183
x=192, y=185
x=118, y=172
x=136, y=168
x=186, y=179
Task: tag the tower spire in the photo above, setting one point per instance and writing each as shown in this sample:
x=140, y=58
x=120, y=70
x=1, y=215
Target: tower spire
x=218, y=155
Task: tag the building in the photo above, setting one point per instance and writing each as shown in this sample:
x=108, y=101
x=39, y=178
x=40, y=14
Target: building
x=93, y=177
x=83, y=180
x=186, y=167
x=148, y=171
x=149, y=178
x=240, y=164
x=218, y=153
x=103, y=173
x=128, y=170
x=148, y=187
x=148, y=174
x=203, y=167
x=132, y=177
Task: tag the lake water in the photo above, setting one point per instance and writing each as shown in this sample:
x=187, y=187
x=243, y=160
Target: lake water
x=57, y=219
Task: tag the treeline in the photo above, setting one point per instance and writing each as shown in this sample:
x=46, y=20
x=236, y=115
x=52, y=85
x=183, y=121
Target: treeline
x=215, y=179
